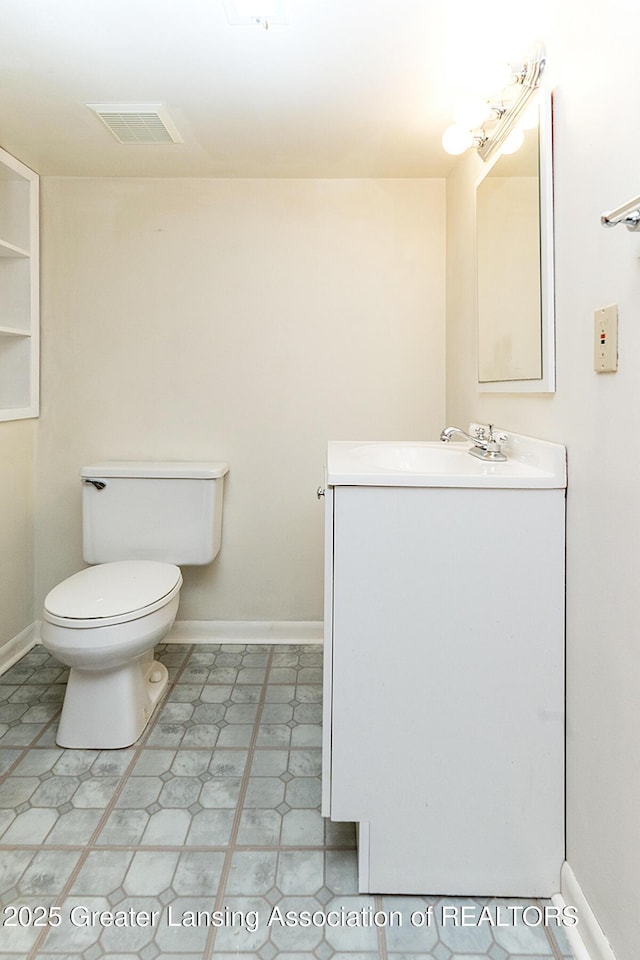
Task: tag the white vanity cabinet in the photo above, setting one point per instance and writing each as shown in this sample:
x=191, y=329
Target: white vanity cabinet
x=19, y=296
x=444, y=677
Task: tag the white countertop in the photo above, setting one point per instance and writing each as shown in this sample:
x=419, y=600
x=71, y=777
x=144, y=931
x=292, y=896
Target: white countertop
x=530, y=464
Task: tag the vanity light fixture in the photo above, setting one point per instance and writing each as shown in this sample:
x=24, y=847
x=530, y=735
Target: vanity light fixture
x=492, y=125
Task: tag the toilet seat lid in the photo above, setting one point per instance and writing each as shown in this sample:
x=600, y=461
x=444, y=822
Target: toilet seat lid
x=112, y=589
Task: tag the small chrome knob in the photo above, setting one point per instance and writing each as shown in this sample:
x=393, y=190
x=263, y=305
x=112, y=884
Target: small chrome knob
x=320, y=492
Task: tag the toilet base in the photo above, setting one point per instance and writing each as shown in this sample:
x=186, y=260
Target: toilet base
x=89, y=720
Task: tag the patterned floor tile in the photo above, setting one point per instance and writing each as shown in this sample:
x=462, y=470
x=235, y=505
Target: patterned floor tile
x=8, y=757
x=346, y=937
x=252, y=873
x=21, y=734
x=300, y=872
x=45, y=873
x=282, y=800
x=215, y=812
x=210, y=828
x=341, y=871
x=294, y=937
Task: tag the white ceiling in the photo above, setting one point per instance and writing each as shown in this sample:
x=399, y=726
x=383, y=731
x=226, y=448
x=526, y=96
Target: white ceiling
x=348, y=88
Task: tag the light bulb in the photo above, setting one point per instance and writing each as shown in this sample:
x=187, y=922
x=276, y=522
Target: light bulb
x=472, y=112
x=514, y=141
x=456, y=139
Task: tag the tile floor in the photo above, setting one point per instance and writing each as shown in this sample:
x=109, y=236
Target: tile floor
x=188, y=843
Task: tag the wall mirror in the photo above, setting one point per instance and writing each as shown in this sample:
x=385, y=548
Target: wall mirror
x=514, y=265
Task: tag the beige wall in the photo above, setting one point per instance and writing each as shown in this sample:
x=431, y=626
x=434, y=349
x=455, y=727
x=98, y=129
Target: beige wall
x=245, y=320
x=16, y=527
x=598, y=418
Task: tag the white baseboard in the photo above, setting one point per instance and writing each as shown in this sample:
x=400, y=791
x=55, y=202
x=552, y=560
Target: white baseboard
x=12, y=650
x=195, y=631
x=587, y=941
x=246, y=631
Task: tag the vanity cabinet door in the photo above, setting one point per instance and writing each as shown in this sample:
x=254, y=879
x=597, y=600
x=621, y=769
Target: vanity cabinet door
x=447, y=687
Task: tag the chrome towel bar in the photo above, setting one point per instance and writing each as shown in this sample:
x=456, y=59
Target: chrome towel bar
x=628, y=213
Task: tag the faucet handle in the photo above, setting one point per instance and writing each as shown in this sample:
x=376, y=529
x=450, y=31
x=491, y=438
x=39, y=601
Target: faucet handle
x=481, y=431
x=499, y=437
x=486, y=432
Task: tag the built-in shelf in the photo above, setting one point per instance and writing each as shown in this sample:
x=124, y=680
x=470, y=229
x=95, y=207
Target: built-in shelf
x=19, y=290
x=14, y=332
x=10, y=250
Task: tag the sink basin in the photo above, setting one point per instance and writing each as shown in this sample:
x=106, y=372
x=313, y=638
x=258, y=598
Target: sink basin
x=431, y=463
x=426, y=457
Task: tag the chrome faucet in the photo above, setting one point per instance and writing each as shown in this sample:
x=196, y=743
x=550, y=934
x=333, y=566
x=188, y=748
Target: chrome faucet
x=486, y=445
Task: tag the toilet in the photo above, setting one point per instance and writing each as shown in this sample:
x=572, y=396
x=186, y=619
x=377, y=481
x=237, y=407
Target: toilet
x=141, y=521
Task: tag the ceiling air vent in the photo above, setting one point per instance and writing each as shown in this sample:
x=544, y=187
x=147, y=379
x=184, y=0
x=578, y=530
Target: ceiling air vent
x=137, y=122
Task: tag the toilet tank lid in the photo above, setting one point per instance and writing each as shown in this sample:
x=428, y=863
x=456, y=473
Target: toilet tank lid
x=165, y=469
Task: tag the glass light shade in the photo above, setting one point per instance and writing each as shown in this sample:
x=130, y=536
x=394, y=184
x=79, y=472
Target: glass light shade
x=456, y=139
x=472, y=112
x=514, y=141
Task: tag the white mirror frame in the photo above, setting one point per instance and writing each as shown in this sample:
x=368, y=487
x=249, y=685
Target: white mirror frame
x=546, y=383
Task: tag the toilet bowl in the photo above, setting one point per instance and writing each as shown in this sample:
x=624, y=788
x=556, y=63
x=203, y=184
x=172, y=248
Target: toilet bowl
x=103, y=623
x=139, y=520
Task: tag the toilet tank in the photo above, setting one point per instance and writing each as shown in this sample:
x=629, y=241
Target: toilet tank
x=169, y=511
